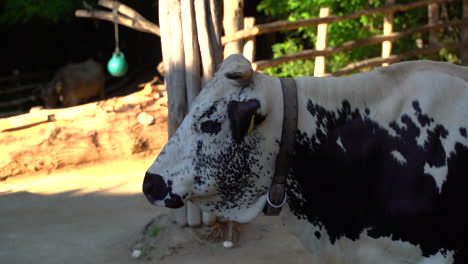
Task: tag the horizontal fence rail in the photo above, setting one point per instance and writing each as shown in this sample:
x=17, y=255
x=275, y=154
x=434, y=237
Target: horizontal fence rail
x=288, y=25
x=310, y=53
x=396, y=58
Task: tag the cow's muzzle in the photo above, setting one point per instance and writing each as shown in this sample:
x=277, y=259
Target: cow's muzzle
x=158, y=192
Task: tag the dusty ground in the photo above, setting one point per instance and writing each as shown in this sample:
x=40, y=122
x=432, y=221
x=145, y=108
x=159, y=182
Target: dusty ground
x=97, y=214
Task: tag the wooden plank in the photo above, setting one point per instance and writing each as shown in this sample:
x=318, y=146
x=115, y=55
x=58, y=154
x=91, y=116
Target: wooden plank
x=249, y=46
x=287, y=25
x=305, y=54
x=387, y=30
x=25, y=120
x=319, y=67
x=395, y=58
x=233, y=21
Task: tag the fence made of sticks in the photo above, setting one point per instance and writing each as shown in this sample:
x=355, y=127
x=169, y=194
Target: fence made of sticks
x=321, y=51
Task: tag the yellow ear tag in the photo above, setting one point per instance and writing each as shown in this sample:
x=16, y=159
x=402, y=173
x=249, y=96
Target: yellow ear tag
x=252, y=123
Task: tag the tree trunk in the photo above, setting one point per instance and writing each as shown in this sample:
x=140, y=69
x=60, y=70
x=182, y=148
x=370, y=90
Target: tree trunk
x=113, y=129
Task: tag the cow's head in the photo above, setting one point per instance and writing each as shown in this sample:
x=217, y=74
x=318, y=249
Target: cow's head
x=222, y=157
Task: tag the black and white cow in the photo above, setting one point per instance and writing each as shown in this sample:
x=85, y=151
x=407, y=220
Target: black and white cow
x=380, y=171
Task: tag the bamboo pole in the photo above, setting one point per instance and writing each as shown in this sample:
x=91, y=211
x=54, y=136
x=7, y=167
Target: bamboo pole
x=395, y=58
x=249, y=46
x=287, y=25
x=387, y=30
x=319, y=67
x=260, y=65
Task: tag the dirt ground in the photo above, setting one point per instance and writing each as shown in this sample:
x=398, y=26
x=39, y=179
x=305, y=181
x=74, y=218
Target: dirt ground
x=97, y=214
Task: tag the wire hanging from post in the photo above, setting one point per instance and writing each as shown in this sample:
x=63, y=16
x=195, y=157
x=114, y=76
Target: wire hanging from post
x=116, y=26
x=117, y=65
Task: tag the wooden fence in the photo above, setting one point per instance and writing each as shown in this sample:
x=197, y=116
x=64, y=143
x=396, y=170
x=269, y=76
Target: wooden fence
x=321, y=51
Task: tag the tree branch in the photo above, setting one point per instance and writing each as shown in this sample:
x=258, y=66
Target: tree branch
x=128, y=17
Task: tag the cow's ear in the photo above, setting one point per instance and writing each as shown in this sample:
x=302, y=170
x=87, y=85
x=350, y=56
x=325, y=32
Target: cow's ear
x=242, y=76
x=243, y=117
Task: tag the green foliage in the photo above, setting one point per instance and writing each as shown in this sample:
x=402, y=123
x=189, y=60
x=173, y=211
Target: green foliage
x=338, y=33
x=25, y=11
x=155, y=231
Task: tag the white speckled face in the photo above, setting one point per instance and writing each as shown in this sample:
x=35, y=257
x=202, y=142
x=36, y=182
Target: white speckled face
x=212, y=159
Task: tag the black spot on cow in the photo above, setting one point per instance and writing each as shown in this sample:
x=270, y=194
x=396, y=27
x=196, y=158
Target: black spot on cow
x=237, y=182
x=199, y=147
x=423, y=119
x=210, y=127
x=198, y=180
x=367, y=111
x=463, y=132
x=317, y=234
x=366, y=188
x=208, y=113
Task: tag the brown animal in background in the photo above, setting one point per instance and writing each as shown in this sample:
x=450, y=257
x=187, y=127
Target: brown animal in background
x=74, y=84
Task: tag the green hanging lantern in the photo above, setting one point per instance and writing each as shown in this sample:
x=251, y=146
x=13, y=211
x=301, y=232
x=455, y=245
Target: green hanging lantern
x=117, y=65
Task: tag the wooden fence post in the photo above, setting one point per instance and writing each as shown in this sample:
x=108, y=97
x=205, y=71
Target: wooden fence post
x=206, y=45
x=319, y=68
x=464, y=37
x=233, y=21
x=174, y=72
x=249, y=46
x=433, y=18
x=209, y=40
x=192, y=79
x=387, y=30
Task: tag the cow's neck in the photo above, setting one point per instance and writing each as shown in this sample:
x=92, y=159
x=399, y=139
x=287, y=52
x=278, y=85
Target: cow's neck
x=327, y=108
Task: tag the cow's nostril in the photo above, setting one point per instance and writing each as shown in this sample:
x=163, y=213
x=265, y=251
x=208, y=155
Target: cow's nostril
x=154, y=187
x=147, y=186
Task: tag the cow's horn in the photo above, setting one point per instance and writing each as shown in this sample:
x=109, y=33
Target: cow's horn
x=236, y=67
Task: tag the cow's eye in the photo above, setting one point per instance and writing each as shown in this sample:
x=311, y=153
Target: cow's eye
x=211, y=127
